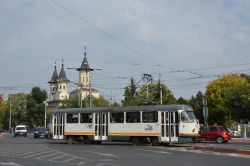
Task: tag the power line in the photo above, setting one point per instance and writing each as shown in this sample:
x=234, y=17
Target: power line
x=104, y=32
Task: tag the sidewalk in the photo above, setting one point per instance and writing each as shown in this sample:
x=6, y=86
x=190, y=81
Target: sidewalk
x=225, y=149
x=222, y=150
x=243, y=140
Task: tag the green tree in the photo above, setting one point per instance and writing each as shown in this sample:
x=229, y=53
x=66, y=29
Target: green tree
x=17, y=102
x=100, y=102
x=181, y=100
x=4, y=115
x=130, y=93
x=1, y=100
x=35, y=106
x=196, y=103
x=72, y=102
x=224, y=96
x=147, y=94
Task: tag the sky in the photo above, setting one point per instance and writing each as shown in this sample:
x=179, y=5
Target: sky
x=185, y=43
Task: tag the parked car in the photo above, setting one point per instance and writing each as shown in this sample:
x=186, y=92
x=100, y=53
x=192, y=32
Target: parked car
x=234, y=133
x=41, y=132
x=216, y=133
x=21, y=130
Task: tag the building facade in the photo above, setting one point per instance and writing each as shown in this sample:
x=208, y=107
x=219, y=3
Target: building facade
x=84, y=85
x=58, y=89
x=59, y=86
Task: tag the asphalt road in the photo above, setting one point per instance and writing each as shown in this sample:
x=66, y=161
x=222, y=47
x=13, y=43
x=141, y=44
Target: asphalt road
x=27, y=151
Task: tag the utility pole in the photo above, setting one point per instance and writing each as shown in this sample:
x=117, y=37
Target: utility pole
x=90, y=99
x=205, y=112
x=80, y=95
x=10, y=128
x=148, y=78
x=160, y=88
x=111, y=99
x=45, y=113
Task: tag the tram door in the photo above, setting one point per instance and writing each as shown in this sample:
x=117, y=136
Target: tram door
x=58, y=126
x=101, y=127
x=170, y=127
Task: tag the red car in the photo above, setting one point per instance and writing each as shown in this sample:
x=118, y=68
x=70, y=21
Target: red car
x=216, y=133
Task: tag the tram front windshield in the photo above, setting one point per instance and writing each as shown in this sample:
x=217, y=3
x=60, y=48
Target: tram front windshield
x=188, y=117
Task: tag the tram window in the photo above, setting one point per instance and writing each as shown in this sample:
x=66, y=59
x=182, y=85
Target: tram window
x=86, y=118
x=117, y=117
x=188, y=117
x=176, y=117
x=72, y=118
x=149, y=117
x=162, y=117
x=133, y=117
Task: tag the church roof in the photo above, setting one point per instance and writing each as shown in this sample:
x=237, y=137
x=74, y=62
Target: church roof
x=62, y=76
x=85, y=64
x=54, y=76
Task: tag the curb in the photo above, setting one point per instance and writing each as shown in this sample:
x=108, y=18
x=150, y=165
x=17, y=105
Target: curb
x=240, y=140
x=222, y=150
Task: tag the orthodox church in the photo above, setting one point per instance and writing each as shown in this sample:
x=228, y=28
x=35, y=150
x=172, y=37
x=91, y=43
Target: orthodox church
x=59, y=85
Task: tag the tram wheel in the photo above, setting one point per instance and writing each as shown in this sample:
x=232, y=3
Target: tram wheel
x=155, y=141
x=136, y=141
x=87, y=140
x=70, y=140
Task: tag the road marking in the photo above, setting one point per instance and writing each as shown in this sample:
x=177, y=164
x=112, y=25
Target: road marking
x=69, y=159
x=57, y=157
x=35, y=154
x=10, y=164
x=101, y=154
x=149, y=155
x=161, y=152
x=32, y=152
x=47, y=155
x=82, y=163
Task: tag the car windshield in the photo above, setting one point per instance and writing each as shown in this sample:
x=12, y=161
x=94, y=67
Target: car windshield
x=20, y=128
x=41, y=129
x=188, y=117
x=223, y=129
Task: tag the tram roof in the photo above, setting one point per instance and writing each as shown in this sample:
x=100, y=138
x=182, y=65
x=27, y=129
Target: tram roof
x=125, y=109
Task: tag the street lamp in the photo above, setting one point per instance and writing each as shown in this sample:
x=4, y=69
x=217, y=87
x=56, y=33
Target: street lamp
x=10, y=128
x=45, y=112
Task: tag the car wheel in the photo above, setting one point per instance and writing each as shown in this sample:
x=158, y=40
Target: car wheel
x=220, y=139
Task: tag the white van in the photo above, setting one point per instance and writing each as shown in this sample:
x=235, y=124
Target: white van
x=21, y=130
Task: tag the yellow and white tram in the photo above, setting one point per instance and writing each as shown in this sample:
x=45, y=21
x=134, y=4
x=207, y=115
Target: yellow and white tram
x=136, y=124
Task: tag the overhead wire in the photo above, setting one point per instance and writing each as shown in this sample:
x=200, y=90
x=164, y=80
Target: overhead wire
x=104, y=32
